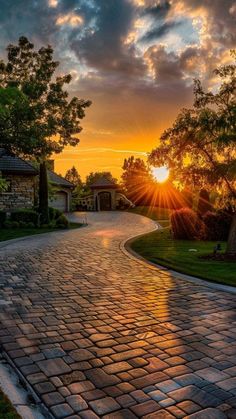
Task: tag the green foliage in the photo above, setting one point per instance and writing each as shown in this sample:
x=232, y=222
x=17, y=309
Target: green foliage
x=95, y=176
x=200, y=147
x=30, y=76
x=25, y=216
x=186, y=225
x=136, y=179
x=35, y=108
x=62, y=221
x=217, y=225
x=3, y=217
x=3, y=184
x=72, y=175
x=204, y=204
x=54, y=213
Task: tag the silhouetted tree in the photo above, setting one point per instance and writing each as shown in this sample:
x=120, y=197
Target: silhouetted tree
x=200, y=147
x=53, y=120
x=72, y=175
x=204, y=204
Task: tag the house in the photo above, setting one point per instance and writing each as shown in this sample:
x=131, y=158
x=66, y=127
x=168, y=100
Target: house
x=20, y=176
x=22, y=180
x=106, y=196
x=62, y=190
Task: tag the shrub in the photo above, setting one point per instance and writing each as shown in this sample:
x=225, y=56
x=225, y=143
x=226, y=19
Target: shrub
x=217, y=225
x=30, y=225
x=15, y=224
x=186, y=225
x=22, y=224
x=25, y=215
x=62, y=222
x=3, y=217
x=7, y=224
x=54, y=213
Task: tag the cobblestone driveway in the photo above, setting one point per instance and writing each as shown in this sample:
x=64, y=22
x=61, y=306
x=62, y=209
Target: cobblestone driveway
x=98, y=334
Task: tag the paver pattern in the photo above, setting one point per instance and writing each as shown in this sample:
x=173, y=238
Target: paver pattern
x=99, y=335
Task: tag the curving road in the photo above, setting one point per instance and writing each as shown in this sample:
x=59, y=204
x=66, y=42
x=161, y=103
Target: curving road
x=97, y=334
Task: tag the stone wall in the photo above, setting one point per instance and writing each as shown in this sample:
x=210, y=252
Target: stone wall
x=20, y=195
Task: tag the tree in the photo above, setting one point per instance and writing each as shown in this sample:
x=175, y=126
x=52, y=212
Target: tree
x=53, y=120
x=136, y=179
x=200, y=147
x=95, y=176
x=72, y=175
x=204, y=204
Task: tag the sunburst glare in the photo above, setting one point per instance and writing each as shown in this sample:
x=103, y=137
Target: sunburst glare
x=160, y=174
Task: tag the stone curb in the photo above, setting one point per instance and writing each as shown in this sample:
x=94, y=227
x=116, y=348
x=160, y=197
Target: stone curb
x=20, y=393
x=125, y=247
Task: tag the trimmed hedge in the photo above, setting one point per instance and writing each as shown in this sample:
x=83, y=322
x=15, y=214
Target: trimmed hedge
x=217, y=225
x=26, y=216
x=186, y=225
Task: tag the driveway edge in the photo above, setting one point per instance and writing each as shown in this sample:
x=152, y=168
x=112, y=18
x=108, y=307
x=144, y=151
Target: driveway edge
x=125, y=247
x=19, y=392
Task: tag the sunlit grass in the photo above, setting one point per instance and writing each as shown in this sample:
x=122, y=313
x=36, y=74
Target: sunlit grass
x=160, y=248
x=155, y=213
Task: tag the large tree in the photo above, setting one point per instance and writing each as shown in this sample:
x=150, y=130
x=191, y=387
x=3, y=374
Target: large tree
x=200, y=147
x=136, y=180
x=53, y=120
x=73, y=176
x=95, y=176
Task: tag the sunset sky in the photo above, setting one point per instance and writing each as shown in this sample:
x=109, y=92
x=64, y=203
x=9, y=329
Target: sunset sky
x=135, y=59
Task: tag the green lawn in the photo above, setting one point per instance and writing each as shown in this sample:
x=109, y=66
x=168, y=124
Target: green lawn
x=7, y=234
x=160, y=248
x=7, y=411
x=155, y=213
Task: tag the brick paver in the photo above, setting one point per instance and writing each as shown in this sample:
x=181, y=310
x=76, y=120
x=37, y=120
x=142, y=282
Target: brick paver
x=97, y=334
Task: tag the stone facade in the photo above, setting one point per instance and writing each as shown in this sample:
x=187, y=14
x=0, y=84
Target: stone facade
x=20, y=193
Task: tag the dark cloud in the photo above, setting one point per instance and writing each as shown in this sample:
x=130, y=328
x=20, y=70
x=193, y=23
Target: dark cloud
x=127, y=76
x=158, y=32
x=102, y=46
x=158, y=11
x=221, y=18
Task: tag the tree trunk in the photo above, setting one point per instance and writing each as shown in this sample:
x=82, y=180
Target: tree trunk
x=231, y=243
x=43, y=193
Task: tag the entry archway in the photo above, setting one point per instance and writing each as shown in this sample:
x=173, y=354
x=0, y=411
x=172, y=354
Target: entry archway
x=104, y=201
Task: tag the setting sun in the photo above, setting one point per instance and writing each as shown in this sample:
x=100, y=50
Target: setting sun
x=160, y=174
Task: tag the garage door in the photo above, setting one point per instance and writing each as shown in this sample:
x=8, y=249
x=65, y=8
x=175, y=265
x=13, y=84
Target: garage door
x=59, y=201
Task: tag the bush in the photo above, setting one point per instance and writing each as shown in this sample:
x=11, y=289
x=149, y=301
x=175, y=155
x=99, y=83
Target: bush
x=25, y=215
x=22, y=224
x=62, y=222
x=3, y=217
x=217, y=225
x=186, y=225
x=7, y=224
x=15, y=224
x=54, y=213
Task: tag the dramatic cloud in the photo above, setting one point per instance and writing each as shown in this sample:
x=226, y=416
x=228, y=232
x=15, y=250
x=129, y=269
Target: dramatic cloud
x=135, y=59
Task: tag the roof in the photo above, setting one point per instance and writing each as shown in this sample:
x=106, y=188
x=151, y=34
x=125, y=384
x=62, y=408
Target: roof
x=9, y=163
x=59, y=180
x=103, y=183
